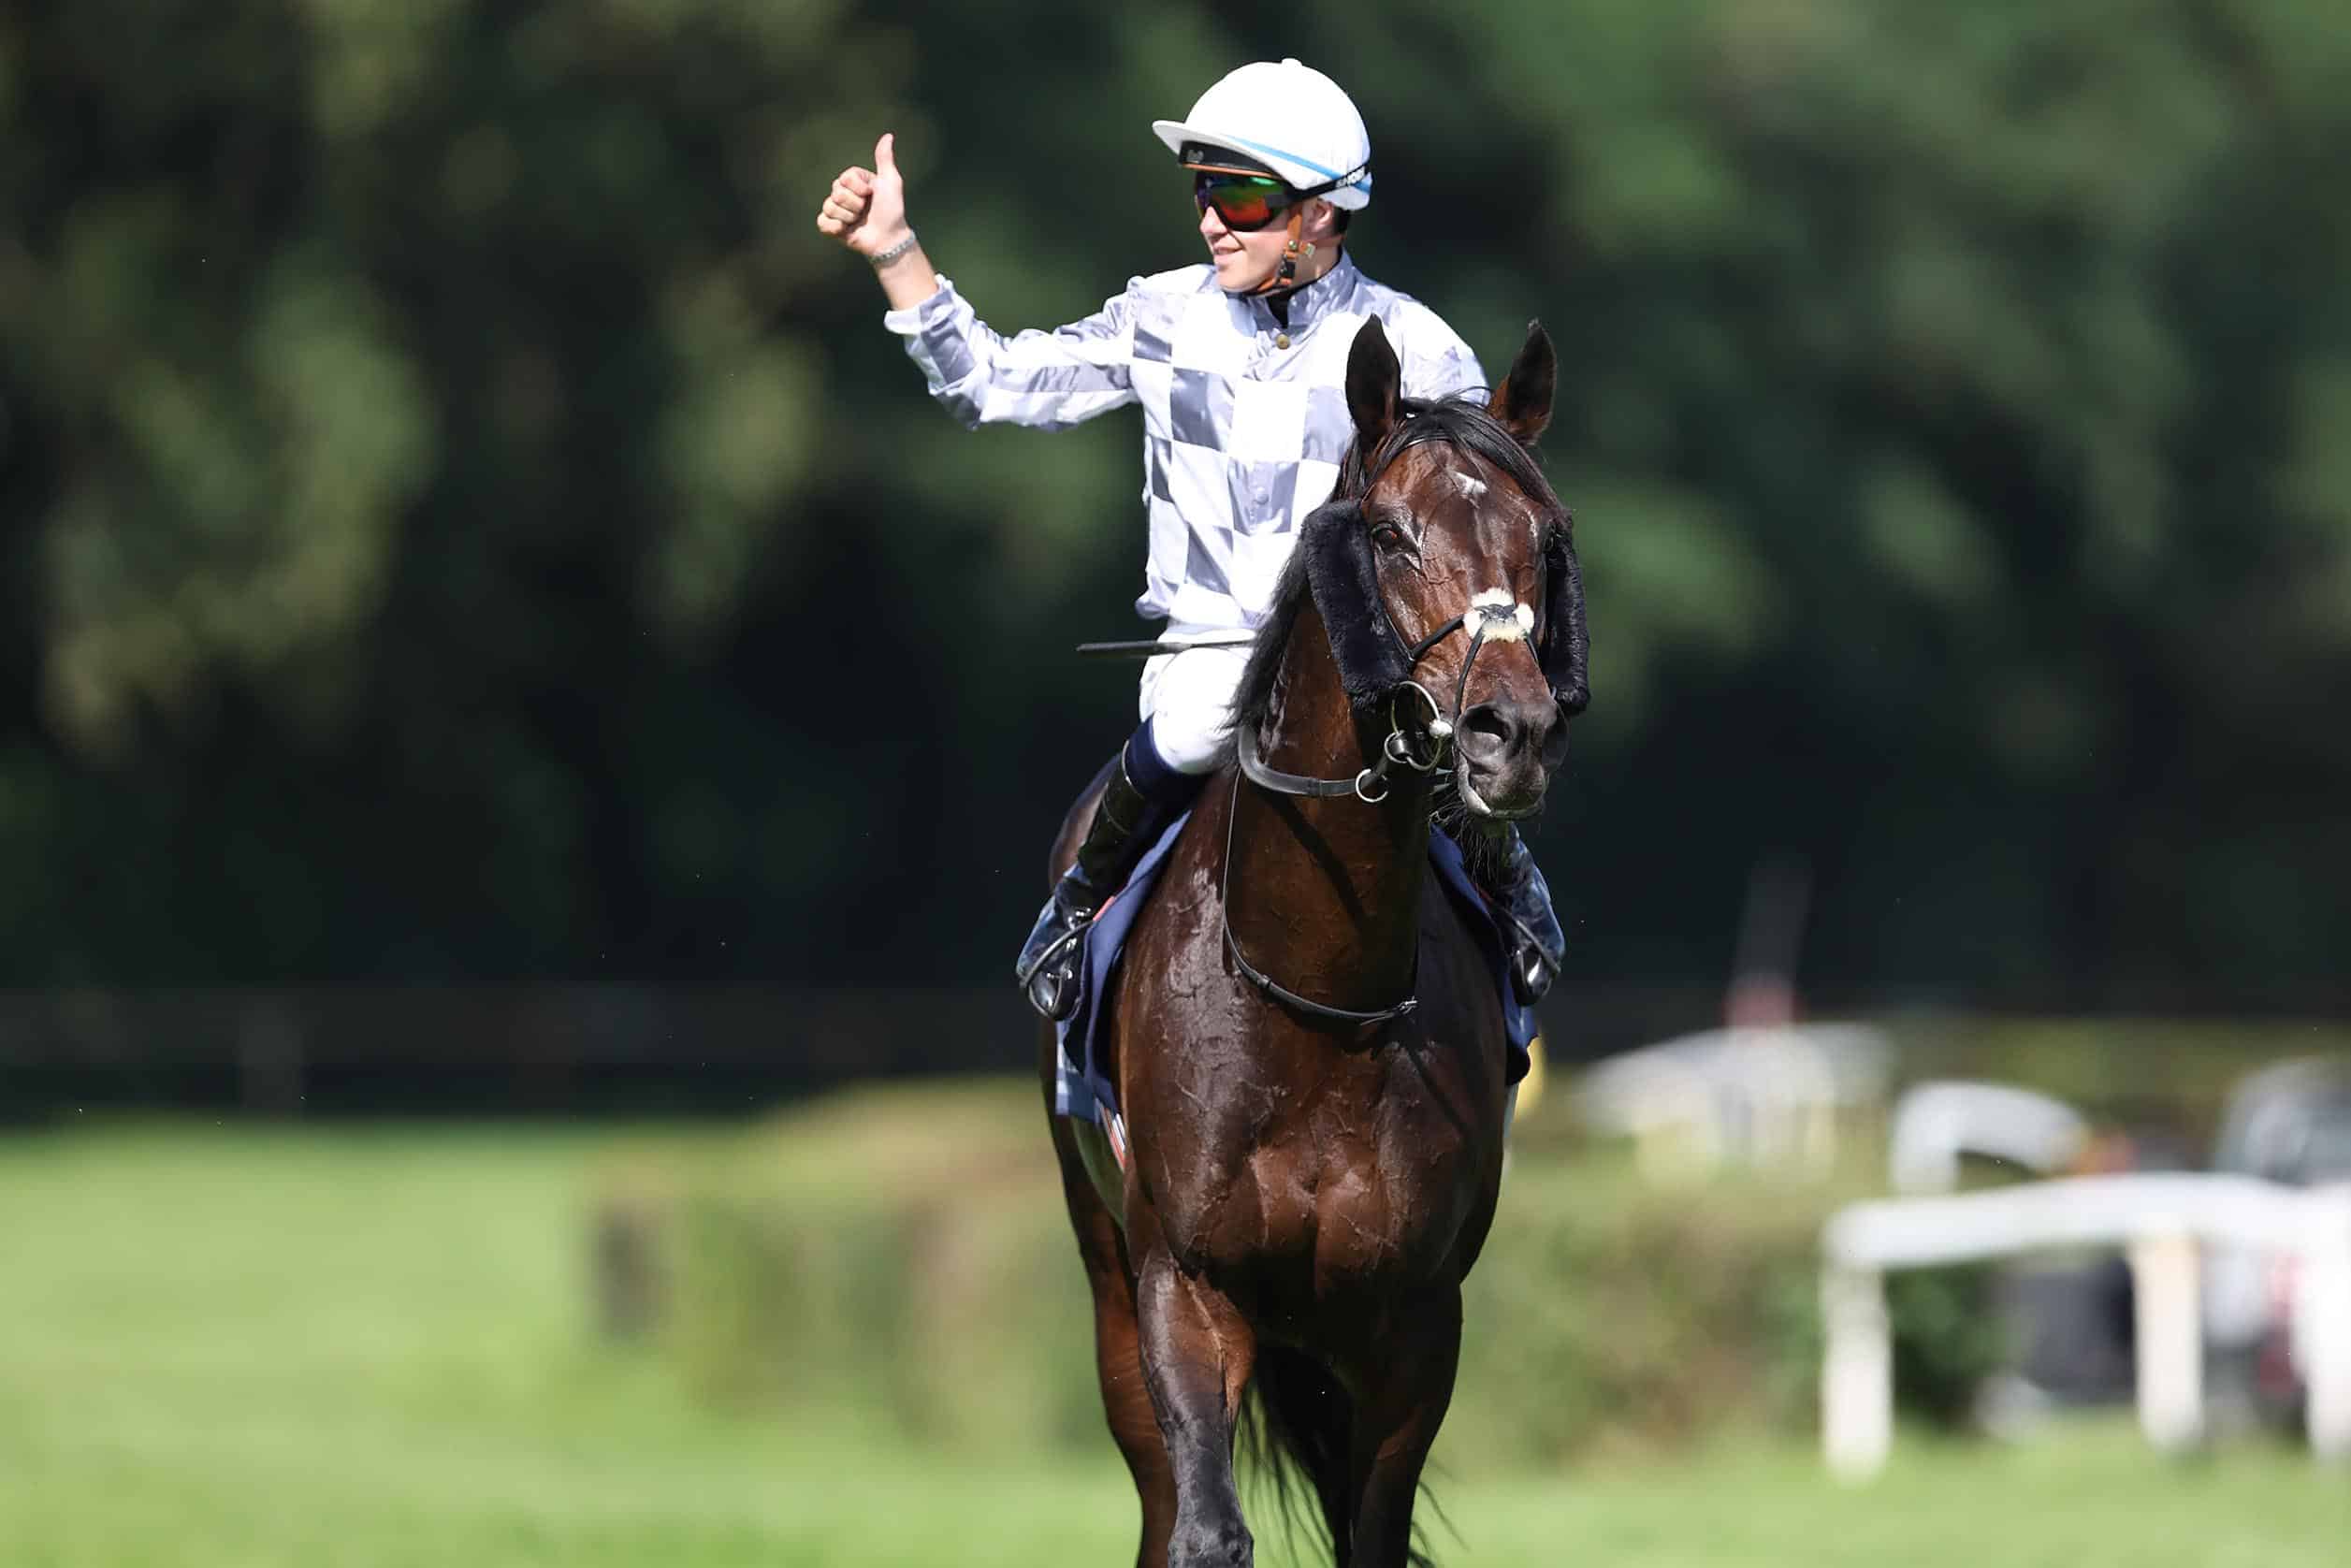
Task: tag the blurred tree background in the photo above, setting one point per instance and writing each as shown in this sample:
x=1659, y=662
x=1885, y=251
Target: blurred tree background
x=468, y=526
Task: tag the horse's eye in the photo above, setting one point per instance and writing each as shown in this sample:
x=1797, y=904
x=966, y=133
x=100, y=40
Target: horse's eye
x=1386, y=535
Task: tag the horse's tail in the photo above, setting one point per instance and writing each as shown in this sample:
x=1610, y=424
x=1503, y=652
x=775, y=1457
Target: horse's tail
x=1295, y=1428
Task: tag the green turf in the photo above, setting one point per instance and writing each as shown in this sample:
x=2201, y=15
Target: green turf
x=226, y=1348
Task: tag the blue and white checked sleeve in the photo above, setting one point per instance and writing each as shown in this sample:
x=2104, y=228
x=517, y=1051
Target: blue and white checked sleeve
x=1436, y=362
x=1046, y=380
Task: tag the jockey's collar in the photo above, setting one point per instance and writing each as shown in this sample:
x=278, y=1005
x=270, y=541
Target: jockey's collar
x=1310, y=295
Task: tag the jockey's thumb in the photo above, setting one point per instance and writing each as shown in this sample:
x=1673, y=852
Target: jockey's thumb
x=885, y=156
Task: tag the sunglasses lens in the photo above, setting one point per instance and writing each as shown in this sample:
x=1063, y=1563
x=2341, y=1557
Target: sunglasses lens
x=1241, y=203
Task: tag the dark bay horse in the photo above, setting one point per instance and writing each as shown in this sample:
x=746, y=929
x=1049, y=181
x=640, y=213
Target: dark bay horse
x=1306, y=1040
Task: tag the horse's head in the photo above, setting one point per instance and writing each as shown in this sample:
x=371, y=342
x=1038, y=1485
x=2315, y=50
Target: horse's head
x=1444, y=572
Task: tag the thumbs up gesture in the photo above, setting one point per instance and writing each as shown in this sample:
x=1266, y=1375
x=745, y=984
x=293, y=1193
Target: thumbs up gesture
x=866, y=208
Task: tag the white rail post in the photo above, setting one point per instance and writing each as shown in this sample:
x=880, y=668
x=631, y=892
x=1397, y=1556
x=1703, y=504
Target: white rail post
x=1856, y=1373
x=2171, y=1339
x=2322, y=1328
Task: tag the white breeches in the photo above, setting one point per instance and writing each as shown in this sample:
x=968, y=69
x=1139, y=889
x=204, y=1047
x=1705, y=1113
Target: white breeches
x=1188, y=698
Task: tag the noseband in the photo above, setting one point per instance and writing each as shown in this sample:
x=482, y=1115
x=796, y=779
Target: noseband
x=1493, y=612
x=1490, y=613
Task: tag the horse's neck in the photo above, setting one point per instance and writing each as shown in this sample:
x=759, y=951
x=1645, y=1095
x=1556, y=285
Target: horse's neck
x=1326, y=893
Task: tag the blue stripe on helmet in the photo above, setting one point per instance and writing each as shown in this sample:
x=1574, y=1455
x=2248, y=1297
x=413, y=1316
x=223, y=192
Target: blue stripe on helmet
x=1358, y=179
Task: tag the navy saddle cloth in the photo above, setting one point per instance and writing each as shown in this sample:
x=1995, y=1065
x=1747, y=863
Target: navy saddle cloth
x=1083, y=1091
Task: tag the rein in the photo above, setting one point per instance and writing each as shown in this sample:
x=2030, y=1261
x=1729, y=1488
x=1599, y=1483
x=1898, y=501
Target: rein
x=1398, y=750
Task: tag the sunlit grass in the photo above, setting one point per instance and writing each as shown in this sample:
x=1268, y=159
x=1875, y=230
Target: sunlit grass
x=226, y=1348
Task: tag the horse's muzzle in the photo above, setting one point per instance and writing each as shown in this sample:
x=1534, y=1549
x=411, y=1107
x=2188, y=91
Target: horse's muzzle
x=1506, y=754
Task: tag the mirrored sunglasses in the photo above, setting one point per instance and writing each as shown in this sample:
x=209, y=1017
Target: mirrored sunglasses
x=1243, y=202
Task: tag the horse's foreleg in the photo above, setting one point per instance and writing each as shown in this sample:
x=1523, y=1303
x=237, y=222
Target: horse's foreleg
x=1198, y=1352
x=1404, y=1399
x=1117, y=1356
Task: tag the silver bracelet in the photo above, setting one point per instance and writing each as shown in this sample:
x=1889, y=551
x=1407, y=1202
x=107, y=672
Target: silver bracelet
x=884, y=258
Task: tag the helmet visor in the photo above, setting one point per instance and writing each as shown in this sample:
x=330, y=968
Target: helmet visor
x=1243, y=202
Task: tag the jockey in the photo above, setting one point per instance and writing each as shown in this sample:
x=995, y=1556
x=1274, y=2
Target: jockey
x=1240, y=366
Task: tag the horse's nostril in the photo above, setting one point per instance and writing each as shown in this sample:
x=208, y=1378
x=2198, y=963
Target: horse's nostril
x=1487, y=731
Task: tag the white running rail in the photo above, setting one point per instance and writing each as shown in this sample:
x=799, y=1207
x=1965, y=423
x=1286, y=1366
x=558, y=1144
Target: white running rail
x=2161, y=1220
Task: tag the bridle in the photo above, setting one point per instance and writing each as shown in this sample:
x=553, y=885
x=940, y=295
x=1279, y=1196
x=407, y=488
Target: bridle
x=1490, y=612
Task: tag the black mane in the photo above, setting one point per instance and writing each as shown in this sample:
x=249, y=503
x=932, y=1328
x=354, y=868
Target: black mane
x=1461, y=420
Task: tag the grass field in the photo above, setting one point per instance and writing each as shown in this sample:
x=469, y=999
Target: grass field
x=231, y=1348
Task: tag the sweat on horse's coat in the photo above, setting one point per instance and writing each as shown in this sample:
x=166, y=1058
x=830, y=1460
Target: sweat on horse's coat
x=1082, y=1088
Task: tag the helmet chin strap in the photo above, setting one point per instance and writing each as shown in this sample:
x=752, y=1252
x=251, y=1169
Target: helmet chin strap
x=1286, y=275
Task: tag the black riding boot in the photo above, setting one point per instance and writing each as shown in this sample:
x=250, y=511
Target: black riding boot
x=1537, y=944
x=1142, y=797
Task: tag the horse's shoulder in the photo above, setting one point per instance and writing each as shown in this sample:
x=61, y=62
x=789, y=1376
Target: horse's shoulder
x=1196, y=856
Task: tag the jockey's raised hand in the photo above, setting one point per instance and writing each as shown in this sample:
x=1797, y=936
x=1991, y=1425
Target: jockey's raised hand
x=866, y=210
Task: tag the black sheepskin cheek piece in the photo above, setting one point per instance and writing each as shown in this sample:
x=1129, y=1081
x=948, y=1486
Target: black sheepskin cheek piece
x=1346, y=591
x=1563, y=637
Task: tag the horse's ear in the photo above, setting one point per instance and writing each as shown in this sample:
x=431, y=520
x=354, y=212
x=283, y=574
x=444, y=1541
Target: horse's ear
x=1347, y=590
x=1523, y=401
x=1374, y=384
x=1565, y=646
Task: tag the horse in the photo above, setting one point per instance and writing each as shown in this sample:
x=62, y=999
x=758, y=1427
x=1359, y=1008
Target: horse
x=1307, y=1043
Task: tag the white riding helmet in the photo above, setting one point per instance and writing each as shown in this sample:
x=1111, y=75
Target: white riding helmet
x=1292, y=119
